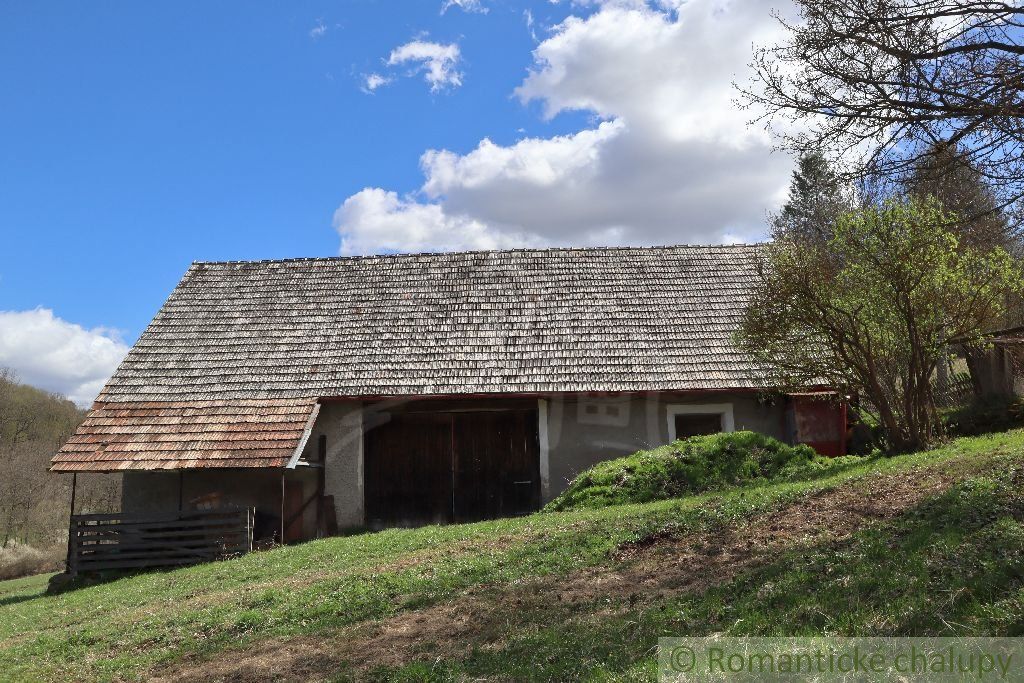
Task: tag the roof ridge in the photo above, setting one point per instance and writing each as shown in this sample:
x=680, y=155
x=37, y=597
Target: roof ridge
x=522, y=250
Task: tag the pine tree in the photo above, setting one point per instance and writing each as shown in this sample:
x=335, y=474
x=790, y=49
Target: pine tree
x=817, y=196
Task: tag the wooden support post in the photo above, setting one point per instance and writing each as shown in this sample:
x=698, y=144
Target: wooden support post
x=321, y=485
x=74, y=491
x=283, y=472
x=181, y=480
x=68, y=569
x=250, y=527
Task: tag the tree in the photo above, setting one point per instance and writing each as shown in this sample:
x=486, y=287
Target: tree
x=879, y=82
x=817, y=195
x=33, y=501
x=872, y=310
x=946, y=174
x=949, y=176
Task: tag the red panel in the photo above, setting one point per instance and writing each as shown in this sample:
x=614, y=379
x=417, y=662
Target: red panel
x=821, y=424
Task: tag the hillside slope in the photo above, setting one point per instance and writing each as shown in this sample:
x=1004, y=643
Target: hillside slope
x=34, y=503
x=926, y=544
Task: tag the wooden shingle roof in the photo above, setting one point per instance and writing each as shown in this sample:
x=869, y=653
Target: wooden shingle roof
x=239, y=346
x=546, y=320
x=159, y=435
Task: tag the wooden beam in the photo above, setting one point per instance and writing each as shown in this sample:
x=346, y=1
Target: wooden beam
x=321, y=481
x=69, y=559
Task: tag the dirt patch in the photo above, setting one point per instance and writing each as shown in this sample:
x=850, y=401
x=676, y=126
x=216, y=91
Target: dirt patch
x=661, y=565
x=666, y=564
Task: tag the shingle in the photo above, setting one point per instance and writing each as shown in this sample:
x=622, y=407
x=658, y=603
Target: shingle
x=173, y=435
x=543, y=320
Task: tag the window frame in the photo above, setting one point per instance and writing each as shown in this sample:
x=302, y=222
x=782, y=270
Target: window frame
x=723, y=409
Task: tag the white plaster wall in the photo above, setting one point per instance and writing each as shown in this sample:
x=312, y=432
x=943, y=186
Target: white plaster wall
x=576, y=442
x=570, y=444
x=342, y=423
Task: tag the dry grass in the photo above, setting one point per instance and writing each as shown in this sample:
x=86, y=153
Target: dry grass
x=17, y=560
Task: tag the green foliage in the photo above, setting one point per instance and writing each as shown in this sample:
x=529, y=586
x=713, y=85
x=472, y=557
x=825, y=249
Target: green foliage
x=689, y=466
x=986, y=415
x=873, y=309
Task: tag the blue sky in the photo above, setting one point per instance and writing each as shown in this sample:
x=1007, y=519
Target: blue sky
x=138, y=137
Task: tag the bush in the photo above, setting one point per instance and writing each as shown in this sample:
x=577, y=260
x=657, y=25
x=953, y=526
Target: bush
x=690, y=466
x=992, y=414
x=17, y=560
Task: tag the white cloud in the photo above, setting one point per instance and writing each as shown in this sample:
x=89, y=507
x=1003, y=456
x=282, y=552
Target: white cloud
x=53, y=354
x=437, y=62
x=465, y=5
x=670, y=158
x=373, y=81
x=318, y=31
x=528, y=18
x=374, y=221
x=671, y=75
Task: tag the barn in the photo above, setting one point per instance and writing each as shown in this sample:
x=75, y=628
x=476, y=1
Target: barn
x=343, y=393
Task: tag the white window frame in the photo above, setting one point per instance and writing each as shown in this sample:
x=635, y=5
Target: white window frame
x=723, y=409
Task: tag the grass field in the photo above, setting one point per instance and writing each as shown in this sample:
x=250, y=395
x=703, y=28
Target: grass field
x=931, y=543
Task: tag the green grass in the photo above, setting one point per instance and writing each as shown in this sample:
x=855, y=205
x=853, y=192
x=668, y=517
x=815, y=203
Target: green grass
x=690, y=466
x=25, y=586
x=951, y=568
x=952, y=565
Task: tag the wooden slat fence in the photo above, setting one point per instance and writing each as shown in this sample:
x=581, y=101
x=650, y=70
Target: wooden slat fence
x=117, y=541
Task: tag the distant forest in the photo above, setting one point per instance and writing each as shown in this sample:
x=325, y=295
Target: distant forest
x=34, y=504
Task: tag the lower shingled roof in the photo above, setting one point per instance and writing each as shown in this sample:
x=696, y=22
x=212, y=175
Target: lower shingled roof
x=162, y=435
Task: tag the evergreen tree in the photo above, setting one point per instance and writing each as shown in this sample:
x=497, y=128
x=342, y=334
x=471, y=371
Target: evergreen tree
x=817, y=196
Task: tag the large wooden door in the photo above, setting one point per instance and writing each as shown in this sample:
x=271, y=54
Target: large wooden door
x=434, y=467
x=408, y=470
x=292, y=511
x=497, y=464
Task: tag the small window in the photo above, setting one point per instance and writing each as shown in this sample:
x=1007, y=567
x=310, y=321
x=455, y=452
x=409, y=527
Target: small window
x=698, y=419
x=698, y=424
x=612, y=411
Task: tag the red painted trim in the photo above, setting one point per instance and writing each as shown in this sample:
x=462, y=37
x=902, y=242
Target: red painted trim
x=843, y=430
x=545, y=394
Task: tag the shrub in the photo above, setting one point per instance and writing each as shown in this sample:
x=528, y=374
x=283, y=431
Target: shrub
x=690, y=466
x=992, y=414
x=17, y=560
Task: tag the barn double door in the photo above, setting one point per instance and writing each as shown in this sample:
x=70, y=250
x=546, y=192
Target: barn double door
x=437, y=467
